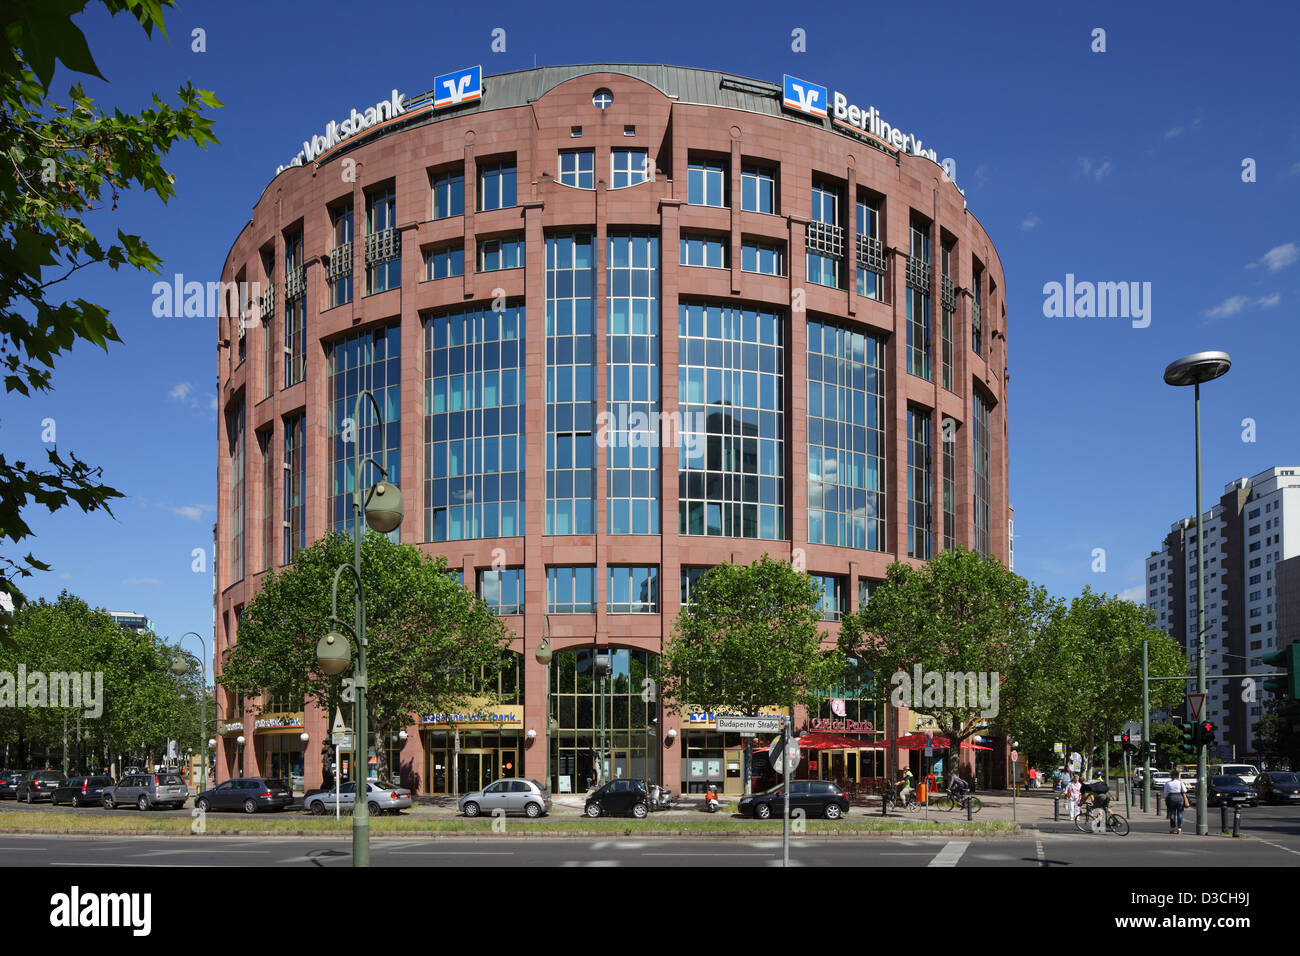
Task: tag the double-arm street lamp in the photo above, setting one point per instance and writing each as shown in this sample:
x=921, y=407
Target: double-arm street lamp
x=383, y=509
x=181, y=667
x=1193, y=370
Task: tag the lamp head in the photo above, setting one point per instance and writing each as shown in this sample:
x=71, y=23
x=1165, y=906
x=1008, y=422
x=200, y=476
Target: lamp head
x=384, y=507
x=333, y=653
x=543, y=653
x=1197, y=368
x=180, y=666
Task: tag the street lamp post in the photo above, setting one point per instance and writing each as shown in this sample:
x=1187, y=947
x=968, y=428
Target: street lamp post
x=383, y=510
x=181, y=667
x=543, y=656
x=1193, y=370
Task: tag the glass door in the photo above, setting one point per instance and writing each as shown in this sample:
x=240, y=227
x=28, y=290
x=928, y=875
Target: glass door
x=437, y=773
x=477, y=769
x=509, y=764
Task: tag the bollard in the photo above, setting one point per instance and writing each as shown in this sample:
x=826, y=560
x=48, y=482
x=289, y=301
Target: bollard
x=1236, y=821
x=884, y=804
x=969, y=803
x=1056, y=810
x=1223, y=817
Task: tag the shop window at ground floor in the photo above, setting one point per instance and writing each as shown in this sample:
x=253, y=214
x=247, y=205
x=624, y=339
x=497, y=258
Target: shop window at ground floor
x=282, y=759
x=483, y=756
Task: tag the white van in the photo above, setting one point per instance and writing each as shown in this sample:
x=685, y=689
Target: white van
x=1245, y=771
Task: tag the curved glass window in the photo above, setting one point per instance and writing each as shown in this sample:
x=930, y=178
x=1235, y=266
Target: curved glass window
x=920, y=481
x=570, y=385
x=366, y=361
x=474, y=424
x=846, y=438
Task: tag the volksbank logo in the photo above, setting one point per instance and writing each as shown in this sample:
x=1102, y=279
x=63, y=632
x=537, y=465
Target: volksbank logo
x=452, y=89
x=804, y=96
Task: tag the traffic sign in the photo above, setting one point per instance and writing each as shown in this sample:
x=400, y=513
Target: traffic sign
x=341, y=740
x=1015, y=756
x=750, y=725
x=339, y=726
x=1196, y=704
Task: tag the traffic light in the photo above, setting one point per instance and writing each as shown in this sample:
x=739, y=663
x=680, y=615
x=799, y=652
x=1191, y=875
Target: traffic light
x=1288, y=685
x=1151, y=749
x=1127, y=742
x=1188, y=742
x=1206, y=733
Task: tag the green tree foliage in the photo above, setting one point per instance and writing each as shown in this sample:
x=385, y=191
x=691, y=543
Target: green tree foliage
x=959, y=613
x=433, y=645
x=144, y=704
x=59, y=163
x=1277, y=732
x=751, y=640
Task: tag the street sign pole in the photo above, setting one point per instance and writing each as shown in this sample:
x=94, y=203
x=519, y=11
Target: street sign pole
x=785, y=765
x=1146, y=731
x=338, y=786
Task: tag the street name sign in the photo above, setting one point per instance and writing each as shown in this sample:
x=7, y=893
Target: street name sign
x=750, y=725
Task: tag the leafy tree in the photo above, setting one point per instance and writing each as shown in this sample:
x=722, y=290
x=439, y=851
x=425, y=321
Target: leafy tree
x=1277, y=732
x=432, y=645
x=957, y=614
x=59, y=164
x=751, y=640
x=1168, y=738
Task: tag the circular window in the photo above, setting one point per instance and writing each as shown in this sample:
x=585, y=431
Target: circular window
x=602, y=99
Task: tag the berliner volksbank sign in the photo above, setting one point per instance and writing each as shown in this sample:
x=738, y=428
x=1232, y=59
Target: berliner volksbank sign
x=814, y=100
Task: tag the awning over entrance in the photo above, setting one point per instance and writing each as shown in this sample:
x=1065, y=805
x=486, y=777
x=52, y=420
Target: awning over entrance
x=821, y=740
x=916, y=741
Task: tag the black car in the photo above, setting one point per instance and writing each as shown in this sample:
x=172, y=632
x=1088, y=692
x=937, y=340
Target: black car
x=9, y=784
x=1231, y=790
x=1277, y=786
x=81, y=791
x=249, y=794
x=38, y=785
x=816, y=798
x=620, y=796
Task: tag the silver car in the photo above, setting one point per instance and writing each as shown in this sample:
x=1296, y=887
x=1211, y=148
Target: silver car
x=510, y=795
x=147, y=791
x=382, y=797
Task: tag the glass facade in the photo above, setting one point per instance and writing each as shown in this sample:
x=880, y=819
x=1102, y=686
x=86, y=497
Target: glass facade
x=295, y=483
x=730, y=392
x=632, y=590
x=918, y=307
x=977, y=311
x=570, y=385
x=606, y=727
x=630, y=430
x=295, y=317
x=949, y=440
x=235, y=427
x=365, y=361
x=571, y=590
x=945, y=326
x=474, y=424
x=920, y=479
x=265, y=446
x=981, y=473
x=502, y=590
x=846, y=438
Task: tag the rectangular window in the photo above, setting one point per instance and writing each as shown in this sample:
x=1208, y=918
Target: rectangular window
x=846, y=438
x=235, y=430
x=570, y=385
x=268, y=359
x=497, y=254
x=706, y=183
x=383, y=245
x=757, y=188
x=446, y=262
x=730, y=392
x=341, y=258
x=295, y=315
x=628, y=167
x=295, y=483
x=578, y=168
x=632, y=384
x=474, y=424
x=762, y=258
x=948, y=436
x=264, y=447
x=571, y=590
x=370, y=361
x=825, y=237
x=834, y=599
x=948, y=304
x=496, y=185
x=449, y=193
x=690, y=578
x=920, y=480
x=977, y=310
x=697, y=250
x=981, y=475
x=918, y=302
x=866, y=588
x=502, y=591
x=632, y=590
x=870, y=271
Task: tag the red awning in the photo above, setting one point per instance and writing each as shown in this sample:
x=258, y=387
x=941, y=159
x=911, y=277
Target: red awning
x=916, y=741
x=821, y=740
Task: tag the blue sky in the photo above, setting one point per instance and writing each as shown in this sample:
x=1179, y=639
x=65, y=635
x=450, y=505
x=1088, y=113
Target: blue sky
x=1117, y=166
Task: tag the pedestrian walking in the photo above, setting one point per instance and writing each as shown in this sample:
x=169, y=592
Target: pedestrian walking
x=1175, y=801
x=1074, y=791
x=1033, y=779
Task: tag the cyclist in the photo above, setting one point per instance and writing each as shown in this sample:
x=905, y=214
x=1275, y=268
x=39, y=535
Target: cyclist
x=904, y=786
x=956, y=785
x=1095, y=794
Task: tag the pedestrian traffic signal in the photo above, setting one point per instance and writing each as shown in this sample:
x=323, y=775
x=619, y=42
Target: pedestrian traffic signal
x=1286, y=686
x=1127, y=742
x=1206, y=733
x=1188, y=742
x=1151, y=749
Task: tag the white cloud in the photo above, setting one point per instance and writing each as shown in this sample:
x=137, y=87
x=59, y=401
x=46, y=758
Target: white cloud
x=1094, y=170
x=181, y=392
x=64, y=575
x=1228, y=307
x=141, y=581
x=1029, y=222
x=1171, y=133
x=1136, y=594
x=1269, y=301
x=1279, y=257
x=193, y=512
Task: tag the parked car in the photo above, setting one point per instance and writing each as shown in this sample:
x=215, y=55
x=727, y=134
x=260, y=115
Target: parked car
x=619, y=796
x=510, y=795
x=381, y=797
x=1247, y=772
x=9, y=784
x=81, y=791
x=38, y=785
x=1230, y=789
x=1277, y=786
x=817, y=798
x=147, y=791
x=249, y=794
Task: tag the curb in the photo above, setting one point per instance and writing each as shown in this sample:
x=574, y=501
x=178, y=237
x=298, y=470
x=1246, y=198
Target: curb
x=525, y=834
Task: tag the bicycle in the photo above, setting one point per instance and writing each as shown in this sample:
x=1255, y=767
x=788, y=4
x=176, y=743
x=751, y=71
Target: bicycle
x=953, y=801
x=1089, y=821
x=890, y=797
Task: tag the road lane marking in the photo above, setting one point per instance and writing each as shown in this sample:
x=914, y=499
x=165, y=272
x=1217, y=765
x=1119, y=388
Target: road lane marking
x=1279, y=846
x=1038, y=851
x=950, y=853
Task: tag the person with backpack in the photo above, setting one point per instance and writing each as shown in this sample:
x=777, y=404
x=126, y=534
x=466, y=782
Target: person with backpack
x=1175, y=801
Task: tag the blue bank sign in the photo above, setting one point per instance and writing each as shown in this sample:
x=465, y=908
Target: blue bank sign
x=814, y=100
x=453, y=89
